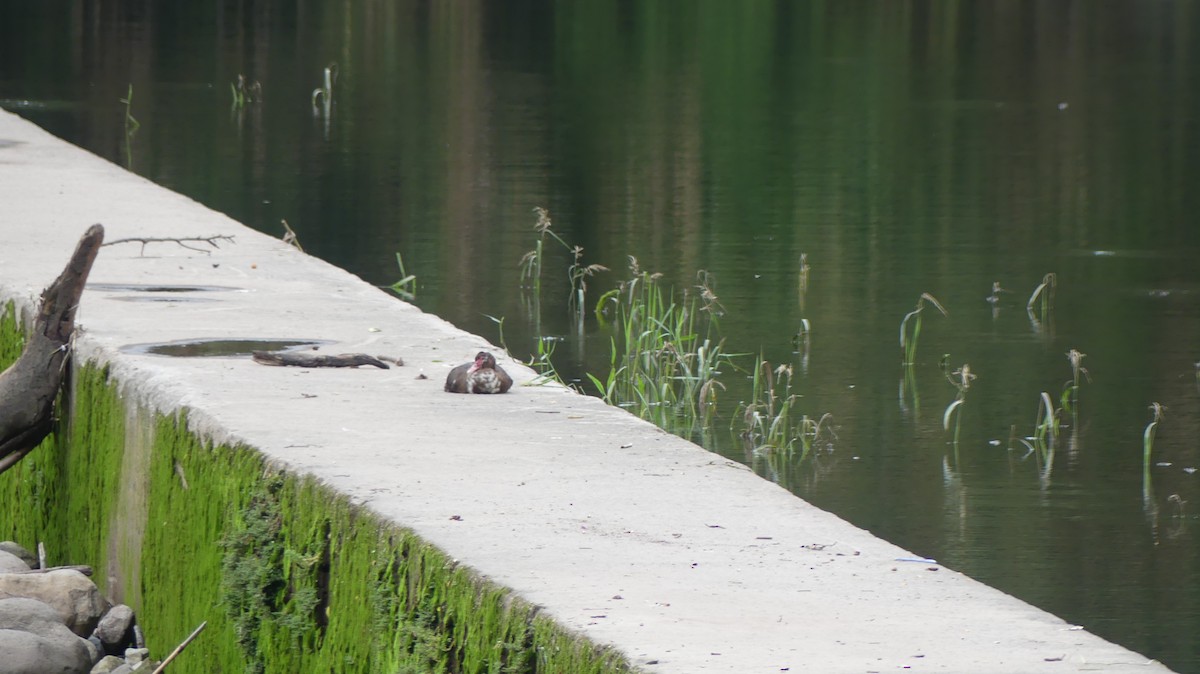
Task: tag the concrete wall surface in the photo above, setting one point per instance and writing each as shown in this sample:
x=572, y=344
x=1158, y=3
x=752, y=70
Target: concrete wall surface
x=679, y=559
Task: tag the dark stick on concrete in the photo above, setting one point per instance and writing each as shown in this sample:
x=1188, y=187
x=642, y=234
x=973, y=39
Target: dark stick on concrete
x=313, y=360
x=30, y=386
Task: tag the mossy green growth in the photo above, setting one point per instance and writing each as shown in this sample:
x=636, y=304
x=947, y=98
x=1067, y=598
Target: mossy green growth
x=290, y=576
x=29, y=487
x=12, y=337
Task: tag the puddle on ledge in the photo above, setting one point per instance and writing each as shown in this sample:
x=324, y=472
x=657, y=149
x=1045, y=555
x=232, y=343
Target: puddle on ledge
x=159, y=288
x=219, y=348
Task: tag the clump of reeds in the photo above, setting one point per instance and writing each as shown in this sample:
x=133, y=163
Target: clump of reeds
x=910, y=327
x=244, y=93
x=772, y=422
x=543, y=362
x=533, y=261
x=665, y=354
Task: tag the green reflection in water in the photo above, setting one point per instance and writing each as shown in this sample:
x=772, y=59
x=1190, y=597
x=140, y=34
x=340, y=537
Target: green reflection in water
x=904, y=147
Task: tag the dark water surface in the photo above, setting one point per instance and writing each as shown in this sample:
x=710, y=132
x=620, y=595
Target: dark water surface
x=904, y=146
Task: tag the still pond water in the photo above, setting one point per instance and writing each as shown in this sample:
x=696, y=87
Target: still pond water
x=905, y=147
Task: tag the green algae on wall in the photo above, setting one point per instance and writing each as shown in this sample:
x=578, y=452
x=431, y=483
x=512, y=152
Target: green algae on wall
x=290, y=576
x=28, y=489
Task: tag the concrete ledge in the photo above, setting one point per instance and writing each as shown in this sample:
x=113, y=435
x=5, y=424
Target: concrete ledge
x=634, y=539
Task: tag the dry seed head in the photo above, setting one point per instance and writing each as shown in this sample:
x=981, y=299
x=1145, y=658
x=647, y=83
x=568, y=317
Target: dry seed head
x=543, y=220
x=964, y=375
x=1159, y=410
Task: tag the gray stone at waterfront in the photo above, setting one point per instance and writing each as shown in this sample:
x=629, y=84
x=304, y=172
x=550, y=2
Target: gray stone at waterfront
x=33, y=640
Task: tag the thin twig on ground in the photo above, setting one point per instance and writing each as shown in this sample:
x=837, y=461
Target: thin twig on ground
x=182, y=241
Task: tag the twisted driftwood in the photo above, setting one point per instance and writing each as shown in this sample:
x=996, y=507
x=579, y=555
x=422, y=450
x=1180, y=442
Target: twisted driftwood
x=30, y=386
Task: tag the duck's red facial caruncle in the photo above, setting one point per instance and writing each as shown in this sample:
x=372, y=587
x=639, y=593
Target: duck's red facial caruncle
x=483, y=360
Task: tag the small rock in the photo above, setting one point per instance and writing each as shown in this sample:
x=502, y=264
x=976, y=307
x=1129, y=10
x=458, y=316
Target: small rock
x=123, y=669
x=69, y=592
x=115, y=629
x=26, y=556
x=10, y=563
x=134, y=656
x=107, y=665
x=95, y=649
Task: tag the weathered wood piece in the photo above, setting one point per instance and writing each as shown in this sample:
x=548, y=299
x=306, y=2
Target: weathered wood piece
x=315, y=360
x=179, y=649
x=29, y=388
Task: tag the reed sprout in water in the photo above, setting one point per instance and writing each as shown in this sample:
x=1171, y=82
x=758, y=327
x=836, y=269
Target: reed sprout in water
x=131, y=126
x=1149, y=506
x=802, y=340
x=1070, y=396
x=406, y=286
x=244, y=93
x=1045, y=436
x=910, y=327
x=1042, y=299
x=324, y=93
x=961, y=380
x=802, y=281
x=1157, y=413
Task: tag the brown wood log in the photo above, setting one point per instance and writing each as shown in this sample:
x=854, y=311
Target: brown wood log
x=314, y=360
x=29, y=388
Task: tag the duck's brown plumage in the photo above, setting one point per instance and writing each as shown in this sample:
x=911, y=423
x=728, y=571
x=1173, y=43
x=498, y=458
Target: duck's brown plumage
x=482, y=375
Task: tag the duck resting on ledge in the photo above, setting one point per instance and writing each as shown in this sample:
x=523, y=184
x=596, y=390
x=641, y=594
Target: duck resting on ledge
x=481, y=376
